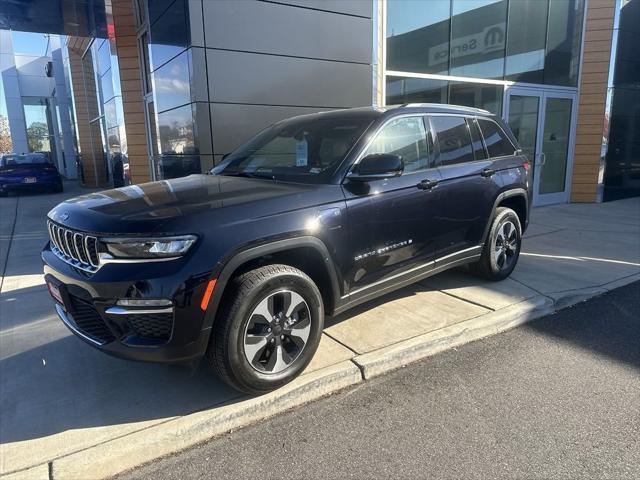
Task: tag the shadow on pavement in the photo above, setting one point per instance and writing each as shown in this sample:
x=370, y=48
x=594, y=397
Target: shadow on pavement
x=590, y=326
x=64, y=385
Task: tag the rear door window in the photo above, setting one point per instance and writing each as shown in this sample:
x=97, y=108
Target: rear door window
x=498, y=145
x=452, y=137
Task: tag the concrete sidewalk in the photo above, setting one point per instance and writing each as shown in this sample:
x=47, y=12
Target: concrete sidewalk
x=68, y=411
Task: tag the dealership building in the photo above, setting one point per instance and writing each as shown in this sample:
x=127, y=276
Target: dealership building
x=157, y=89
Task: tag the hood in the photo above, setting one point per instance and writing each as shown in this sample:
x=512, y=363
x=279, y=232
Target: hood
x=171, y=205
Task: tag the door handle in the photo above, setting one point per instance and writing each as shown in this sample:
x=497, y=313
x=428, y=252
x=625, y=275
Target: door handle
x=427, y=184
x=487, y=172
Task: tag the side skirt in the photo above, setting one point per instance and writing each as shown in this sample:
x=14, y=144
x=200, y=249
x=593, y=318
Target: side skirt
x=426, y=270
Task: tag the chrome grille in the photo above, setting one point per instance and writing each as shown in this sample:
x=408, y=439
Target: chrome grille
x=75, y=248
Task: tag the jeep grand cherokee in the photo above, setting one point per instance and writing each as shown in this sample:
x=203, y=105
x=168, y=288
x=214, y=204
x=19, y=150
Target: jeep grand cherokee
x=312, y=216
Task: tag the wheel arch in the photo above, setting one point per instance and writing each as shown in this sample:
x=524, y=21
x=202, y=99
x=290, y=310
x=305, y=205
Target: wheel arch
x=516, y=199
x=307, y=253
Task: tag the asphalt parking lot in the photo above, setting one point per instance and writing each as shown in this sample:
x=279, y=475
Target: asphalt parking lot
x=68, y=408
x=556, y=398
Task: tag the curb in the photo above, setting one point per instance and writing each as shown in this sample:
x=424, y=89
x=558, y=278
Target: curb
x=39, y=472
x=621, y=282
x=409, y=351
x=115, y=456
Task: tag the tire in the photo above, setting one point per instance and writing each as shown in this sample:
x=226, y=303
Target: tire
x=499, y=258
x=255, y=354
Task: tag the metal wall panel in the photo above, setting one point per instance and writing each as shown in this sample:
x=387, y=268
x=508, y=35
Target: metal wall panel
x=265, y=61
x=235, y=124
x=285, y=30
x=362, y=8
x=273, y=80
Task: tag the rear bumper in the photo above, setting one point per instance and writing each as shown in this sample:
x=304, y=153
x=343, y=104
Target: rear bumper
x=166, y=334
x=11, y=186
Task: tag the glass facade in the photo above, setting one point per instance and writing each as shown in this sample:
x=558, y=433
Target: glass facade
x=425, y=90
x=528, y=41
x=175, y=119
x=418, y=35
x=36, y=118
x=622, y=159
x=478, y=37
x=108, y=137
x=169, y=33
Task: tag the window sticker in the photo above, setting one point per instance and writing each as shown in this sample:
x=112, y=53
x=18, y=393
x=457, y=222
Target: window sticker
x=255, y=163
x=302, y=152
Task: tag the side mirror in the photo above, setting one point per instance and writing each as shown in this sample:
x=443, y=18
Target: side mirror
x=376, y=167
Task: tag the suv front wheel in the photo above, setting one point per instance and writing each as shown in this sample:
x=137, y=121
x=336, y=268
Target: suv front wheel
x=268, y=329
x=502, y=247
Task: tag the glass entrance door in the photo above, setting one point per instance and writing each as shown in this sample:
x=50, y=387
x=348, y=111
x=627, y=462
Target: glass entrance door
x=542, y=122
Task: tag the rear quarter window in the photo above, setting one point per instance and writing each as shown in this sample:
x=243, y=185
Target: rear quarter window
x=478, y=148
x=498, y=145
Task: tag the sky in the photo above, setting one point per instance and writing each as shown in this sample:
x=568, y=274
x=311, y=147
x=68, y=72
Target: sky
x=28, y=43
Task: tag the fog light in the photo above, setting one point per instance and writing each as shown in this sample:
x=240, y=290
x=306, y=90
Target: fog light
x=144, y=302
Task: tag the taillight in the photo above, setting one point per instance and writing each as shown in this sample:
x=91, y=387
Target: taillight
x=526, y=165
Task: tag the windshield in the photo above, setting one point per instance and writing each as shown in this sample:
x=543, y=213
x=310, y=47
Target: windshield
x=305, y=149
x=26, y=159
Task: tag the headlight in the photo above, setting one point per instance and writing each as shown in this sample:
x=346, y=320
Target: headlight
x=163, y=247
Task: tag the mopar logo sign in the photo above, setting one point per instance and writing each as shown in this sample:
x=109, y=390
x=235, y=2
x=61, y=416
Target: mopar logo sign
x=490, y=39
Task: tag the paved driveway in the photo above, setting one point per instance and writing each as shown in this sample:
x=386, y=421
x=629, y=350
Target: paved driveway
x=59, y=396
x=554, y=399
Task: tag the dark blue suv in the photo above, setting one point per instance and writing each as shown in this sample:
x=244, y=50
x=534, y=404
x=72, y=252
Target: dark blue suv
x=312, y=216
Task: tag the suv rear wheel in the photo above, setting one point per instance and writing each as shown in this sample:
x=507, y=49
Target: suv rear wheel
x=268, y=329
x=502, y=247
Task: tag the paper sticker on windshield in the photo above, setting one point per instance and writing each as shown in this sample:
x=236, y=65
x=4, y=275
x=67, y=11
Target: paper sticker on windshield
x=302, y=153
x=255, y=163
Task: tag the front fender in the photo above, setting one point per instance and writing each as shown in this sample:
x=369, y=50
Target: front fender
x=238, y=259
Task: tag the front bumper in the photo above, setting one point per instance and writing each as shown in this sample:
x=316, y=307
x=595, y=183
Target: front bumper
x=168, y=334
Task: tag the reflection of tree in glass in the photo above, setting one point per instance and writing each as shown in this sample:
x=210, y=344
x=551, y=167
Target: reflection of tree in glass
x=36, y=134
x=6, y=146
x=176, y=138
x=114, y=142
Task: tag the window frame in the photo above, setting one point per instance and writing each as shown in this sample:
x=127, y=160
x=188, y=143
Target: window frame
x=428, y=139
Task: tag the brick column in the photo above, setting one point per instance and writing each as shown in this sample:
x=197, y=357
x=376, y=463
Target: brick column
x=131, y=85
x=593, y=94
